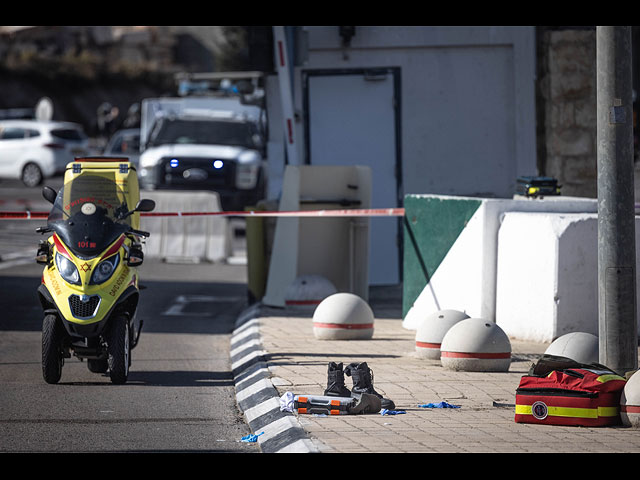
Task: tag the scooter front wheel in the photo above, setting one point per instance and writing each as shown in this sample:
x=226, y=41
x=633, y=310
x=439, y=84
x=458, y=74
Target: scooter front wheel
x=118, y=349
x=52, y=359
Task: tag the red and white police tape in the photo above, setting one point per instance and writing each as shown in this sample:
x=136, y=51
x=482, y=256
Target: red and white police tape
x=365, y=212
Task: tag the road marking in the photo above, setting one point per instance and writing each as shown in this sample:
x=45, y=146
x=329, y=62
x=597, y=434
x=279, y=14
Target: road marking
x=8, y=260
x=182, y=302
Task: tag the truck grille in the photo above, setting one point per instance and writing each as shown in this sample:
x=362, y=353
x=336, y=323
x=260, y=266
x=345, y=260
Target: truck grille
x=86, y=309
x=188, y=172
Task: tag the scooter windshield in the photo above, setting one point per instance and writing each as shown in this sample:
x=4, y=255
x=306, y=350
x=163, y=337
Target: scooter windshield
x=89, y=214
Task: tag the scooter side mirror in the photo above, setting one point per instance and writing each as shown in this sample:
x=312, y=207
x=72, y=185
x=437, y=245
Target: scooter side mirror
x=49, y=194
x=145, y=205
x=43, y=255
x=135, y=258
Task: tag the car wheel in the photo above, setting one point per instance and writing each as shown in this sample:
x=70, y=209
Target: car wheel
x=31, y=175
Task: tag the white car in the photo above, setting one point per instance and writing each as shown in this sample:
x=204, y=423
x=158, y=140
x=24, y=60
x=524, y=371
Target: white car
x=32, y=150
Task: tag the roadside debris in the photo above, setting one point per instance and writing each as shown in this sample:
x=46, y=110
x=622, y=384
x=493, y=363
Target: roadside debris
x=384, y=411
x=251, y=438
x=438, y=405
x=338, y=399
x=321, y=405
x=287, y=402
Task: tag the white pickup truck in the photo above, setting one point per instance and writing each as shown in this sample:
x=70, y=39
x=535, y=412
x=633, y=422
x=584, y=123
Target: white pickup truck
x=203, y=144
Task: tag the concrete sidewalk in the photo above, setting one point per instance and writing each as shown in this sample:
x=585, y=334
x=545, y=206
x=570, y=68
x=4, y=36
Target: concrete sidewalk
x=275, y=351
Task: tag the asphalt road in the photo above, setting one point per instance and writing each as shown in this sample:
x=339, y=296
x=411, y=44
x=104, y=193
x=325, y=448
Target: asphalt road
x=180, y=395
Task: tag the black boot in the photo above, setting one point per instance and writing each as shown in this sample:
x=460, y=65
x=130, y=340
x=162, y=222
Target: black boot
x=363, y=383
x=335, y=381
x=365, y=403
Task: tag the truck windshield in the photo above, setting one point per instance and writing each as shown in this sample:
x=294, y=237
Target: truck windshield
x=207, y=132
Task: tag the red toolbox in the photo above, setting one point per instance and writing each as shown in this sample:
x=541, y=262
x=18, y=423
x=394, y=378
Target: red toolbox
x=559, y=391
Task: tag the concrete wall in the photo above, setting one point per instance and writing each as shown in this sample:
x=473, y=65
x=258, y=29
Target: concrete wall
x=547, y=279
x=529, y=265
x=460, y=271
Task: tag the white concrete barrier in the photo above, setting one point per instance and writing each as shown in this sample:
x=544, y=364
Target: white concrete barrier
x=547, y=279
x=630, y=402
x=476, y=345
x=187, y=239
x=343, y=316
x=434, y=327
x=307, y=291
x=466, y=277
x=579, y=346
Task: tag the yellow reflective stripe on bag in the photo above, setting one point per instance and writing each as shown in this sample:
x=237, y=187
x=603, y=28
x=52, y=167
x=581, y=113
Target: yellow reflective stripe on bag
x=571, y=412
x=608, y=377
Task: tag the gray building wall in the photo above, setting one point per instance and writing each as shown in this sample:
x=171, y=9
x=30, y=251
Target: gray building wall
x=467, y=99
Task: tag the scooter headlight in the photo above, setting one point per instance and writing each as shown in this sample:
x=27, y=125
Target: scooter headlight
x=67, y=269
x=104, y=270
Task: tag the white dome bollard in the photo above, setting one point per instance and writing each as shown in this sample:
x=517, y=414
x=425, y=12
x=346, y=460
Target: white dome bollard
x=630, y=402
x=343, y=316
x=432, y=330
x=307, y=291
x=476, y=345
x=579, y=346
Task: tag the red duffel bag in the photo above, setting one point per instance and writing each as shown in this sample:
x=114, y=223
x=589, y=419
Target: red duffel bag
x=560, y=391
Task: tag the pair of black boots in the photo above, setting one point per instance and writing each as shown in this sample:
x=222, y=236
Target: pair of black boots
x=368, y=400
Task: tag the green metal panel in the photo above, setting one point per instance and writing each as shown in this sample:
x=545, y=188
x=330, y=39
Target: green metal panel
x=431, y=226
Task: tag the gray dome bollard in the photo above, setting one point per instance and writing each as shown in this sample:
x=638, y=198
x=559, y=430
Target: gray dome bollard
x=343, y=316
x=579, y=346
x=307, y=291
x=432, y=330
x=630, y=402
x=476, y=345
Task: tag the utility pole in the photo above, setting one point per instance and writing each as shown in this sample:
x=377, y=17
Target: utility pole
x=617, y=323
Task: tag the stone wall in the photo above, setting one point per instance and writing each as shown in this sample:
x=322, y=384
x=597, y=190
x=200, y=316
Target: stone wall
x=567, y=103
x=567, y=94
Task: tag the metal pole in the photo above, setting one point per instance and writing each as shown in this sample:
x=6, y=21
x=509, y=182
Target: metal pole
x=617, y=323
x=286, y=93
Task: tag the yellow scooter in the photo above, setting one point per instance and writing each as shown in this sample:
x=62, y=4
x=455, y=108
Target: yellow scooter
x=89, y=290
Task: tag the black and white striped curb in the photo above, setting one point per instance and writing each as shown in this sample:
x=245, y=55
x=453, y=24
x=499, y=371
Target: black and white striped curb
x=258, y=399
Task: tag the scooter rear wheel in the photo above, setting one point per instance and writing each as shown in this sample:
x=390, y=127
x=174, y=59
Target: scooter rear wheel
x=52, y=358
x=118, y=349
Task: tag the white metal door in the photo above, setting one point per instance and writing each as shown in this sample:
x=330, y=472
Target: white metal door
x=352, y=121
